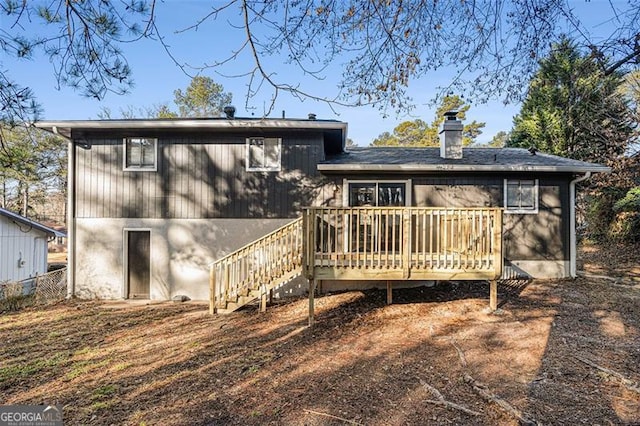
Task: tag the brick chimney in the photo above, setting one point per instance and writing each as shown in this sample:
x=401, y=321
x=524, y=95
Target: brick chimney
x=451, y=136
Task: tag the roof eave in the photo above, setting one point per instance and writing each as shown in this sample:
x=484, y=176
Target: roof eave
x=459, y=168
x=30, y=223
x=191, y=124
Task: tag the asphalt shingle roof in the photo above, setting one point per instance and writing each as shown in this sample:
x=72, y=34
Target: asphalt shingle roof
x=474, y=159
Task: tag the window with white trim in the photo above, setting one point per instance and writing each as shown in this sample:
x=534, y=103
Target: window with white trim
x=264, y=154
x=377, y=193
x=140, y=154
x=521, y=195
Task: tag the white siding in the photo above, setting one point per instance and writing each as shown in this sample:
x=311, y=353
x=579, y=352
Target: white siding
x=23, y=251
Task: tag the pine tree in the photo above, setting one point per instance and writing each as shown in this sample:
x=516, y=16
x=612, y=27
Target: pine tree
x=573, y=109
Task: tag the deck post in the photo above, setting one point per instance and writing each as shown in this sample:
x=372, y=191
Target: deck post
x=389, y=293
x=493, y=294
x=212, y=290
x=263, y=298
x=312, y=290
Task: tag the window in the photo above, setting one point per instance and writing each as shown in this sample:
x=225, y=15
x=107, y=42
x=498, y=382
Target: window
x=521, y=196
x=263, y=154
x=140, y=154
x=377, y=194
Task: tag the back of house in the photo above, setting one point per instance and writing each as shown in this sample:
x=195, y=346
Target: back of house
x=154, y=202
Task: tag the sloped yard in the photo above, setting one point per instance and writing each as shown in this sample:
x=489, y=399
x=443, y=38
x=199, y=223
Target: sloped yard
x=558, y=352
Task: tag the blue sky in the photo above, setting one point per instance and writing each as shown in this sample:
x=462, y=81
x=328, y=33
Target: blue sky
x=156, y=77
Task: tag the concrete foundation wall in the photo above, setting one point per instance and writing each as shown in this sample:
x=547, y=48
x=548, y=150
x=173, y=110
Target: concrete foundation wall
x=181, y=251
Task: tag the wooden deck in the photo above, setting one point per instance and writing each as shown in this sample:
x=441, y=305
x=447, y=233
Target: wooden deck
x=403, y=243
x=364, y=243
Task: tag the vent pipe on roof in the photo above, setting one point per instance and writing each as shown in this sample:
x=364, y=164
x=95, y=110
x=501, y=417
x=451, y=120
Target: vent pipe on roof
x=229, y=111
x=451, y=136
x=312, y=116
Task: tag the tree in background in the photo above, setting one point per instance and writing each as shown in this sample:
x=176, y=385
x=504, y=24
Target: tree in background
x=420, y=133
x=202, y=98
x=492, y=47
x=631, y=90
x=500, y=139
x=33, y=167
x=576, y=110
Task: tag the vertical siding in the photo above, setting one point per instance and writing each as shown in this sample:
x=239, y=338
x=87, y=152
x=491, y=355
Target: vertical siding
x=18, y=242
x=542, y=236
x=198, y=176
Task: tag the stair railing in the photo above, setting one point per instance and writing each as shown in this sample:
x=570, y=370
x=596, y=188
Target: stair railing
x=265, y=262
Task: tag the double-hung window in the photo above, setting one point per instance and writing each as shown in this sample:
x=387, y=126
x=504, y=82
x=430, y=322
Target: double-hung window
x=140, y=154
x=521, y=195
x=264, y=154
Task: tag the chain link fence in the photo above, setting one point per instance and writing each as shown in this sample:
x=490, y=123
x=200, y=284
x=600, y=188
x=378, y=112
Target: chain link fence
x=40, y=290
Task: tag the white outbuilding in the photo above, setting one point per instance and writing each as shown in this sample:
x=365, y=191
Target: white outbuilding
x=23, y=246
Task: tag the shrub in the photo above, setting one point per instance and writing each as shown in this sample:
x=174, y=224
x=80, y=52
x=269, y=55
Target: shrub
x=625, y=225
x=599, y=214
x=630, y=202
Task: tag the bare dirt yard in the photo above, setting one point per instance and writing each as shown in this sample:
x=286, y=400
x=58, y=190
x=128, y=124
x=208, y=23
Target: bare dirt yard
x=556, y=352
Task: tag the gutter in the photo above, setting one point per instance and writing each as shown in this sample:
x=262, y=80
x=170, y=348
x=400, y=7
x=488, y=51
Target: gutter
x=71, y=223
x=573, y=249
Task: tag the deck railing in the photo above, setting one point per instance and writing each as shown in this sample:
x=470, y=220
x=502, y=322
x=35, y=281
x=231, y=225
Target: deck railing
x=258, y=266
x=396, y=243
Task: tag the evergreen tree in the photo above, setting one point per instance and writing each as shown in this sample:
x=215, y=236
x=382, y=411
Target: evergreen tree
x=574, y=109
x=420, y=133
x=203, y=98
x=33, y=164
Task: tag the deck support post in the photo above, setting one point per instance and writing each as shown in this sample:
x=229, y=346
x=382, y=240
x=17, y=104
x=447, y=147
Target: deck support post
x=212, y=290
x=312, y=290
x=389, y=293
x=493, y=294
x=263, y=298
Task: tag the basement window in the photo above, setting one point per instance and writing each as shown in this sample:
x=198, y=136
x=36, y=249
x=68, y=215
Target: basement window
x=521, y=196
x=140, y=154
x=264, y=154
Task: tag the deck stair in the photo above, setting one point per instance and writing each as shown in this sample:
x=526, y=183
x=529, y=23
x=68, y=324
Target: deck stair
x=252, y=271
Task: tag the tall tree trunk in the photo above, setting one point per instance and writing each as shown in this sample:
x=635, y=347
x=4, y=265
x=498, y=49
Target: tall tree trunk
x=25, y=199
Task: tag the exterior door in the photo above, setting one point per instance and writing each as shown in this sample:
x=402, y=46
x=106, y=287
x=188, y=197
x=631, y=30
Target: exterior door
x=373, y=232
x=138, y=264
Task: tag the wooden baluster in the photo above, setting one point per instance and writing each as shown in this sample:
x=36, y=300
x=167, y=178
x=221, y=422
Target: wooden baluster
x=481, y=242
x=459, y=240
x=497, y=238
x=358, y=239
x=421, y=247
x=379, y=238
x=431, y=239
x=406, y=243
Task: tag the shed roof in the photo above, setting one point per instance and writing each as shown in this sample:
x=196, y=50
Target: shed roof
x=396, y=159
x=31, y=224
